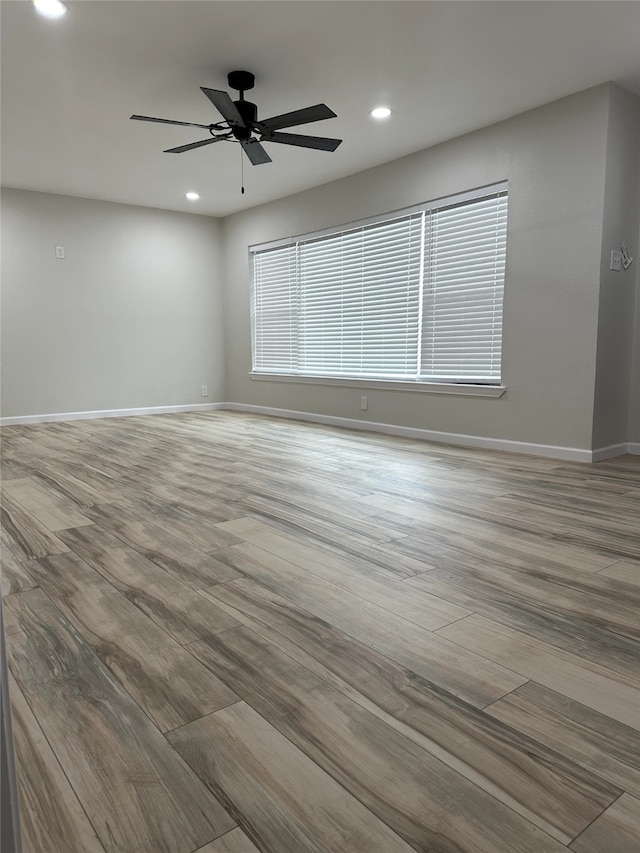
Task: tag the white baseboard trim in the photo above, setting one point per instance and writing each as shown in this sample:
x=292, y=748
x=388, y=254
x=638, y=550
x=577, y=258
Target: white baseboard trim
x=109, y=413
x=602, y=453
x=569, y=454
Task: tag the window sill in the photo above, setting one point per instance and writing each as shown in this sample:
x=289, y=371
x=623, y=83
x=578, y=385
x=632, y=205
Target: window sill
x=458, y=389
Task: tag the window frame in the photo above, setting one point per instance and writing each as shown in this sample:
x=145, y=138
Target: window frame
x=462, y=387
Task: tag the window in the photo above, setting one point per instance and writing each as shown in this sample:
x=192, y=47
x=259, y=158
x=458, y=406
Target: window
x=412, y=297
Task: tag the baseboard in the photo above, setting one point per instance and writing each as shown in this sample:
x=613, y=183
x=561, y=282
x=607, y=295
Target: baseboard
x=602, y=453
x=108, y=413
x=569, y=454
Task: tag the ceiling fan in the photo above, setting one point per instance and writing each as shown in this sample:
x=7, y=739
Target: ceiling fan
x=240, y=122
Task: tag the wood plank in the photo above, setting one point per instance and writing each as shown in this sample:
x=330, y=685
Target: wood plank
x=24, y=535
x=458, y=511
x=86, y=464
x=206, y=535
x=51, y=818
x=626, y=572
x=608, y=692
x=586, y=615
x=615, y=544
x=319, y=530
x=233, y=842
x=615, y=831
x=176, y=608
x=50, y=508
x=14, y=575
x=373, y=555
x=56, y=474
x=522, y=547
x=377, y=585
x=136, y=791
x=466, y=675
x=176, y=556
x=285, y=483
x=325, y=521
x=184, y=494
x=434, y=542
x=536, y=782
x=573, y=594
x=573, y=507
x=283, y=801
x=10, y=470
x=164, y=679
x=592, y=740
x=326, y=502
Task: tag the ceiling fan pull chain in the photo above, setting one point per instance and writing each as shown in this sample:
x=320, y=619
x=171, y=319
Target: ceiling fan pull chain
x=241, y=172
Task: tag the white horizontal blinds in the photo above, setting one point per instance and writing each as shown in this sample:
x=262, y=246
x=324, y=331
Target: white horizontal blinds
x=359, y=301
x=463, y=292
x=416, y=298
x=275, y=306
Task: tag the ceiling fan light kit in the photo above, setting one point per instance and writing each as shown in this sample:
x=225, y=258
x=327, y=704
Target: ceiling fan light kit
x=240, y=122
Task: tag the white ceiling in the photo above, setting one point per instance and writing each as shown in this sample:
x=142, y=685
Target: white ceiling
x=445, y=68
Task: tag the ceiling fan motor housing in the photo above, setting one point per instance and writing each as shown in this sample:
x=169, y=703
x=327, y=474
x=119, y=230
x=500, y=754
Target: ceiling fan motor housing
x=249, y=113
x=243, y=81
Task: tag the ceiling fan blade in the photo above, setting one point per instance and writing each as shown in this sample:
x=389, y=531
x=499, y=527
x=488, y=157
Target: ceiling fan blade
x=321, y=143
x=182, y=148
x=225, y=106
x=255, y=152
x=304, y=116
x=169, y=121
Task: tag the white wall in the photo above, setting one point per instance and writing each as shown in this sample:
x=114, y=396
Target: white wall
x=131, y=318
x=554, y=159
x=621, y=221
x=634, y=393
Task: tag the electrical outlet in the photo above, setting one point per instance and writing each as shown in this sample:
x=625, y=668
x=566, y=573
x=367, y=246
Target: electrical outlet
x=60, y=252
x=364, y=403
x=204, y=391
x=616, y=261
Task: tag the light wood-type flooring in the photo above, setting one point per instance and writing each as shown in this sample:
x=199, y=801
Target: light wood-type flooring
x=228, y=633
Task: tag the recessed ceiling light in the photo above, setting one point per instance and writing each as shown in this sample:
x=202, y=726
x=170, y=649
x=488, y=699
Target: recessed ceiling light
x=50, y=8
x=192, y=196
x=381, y=112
